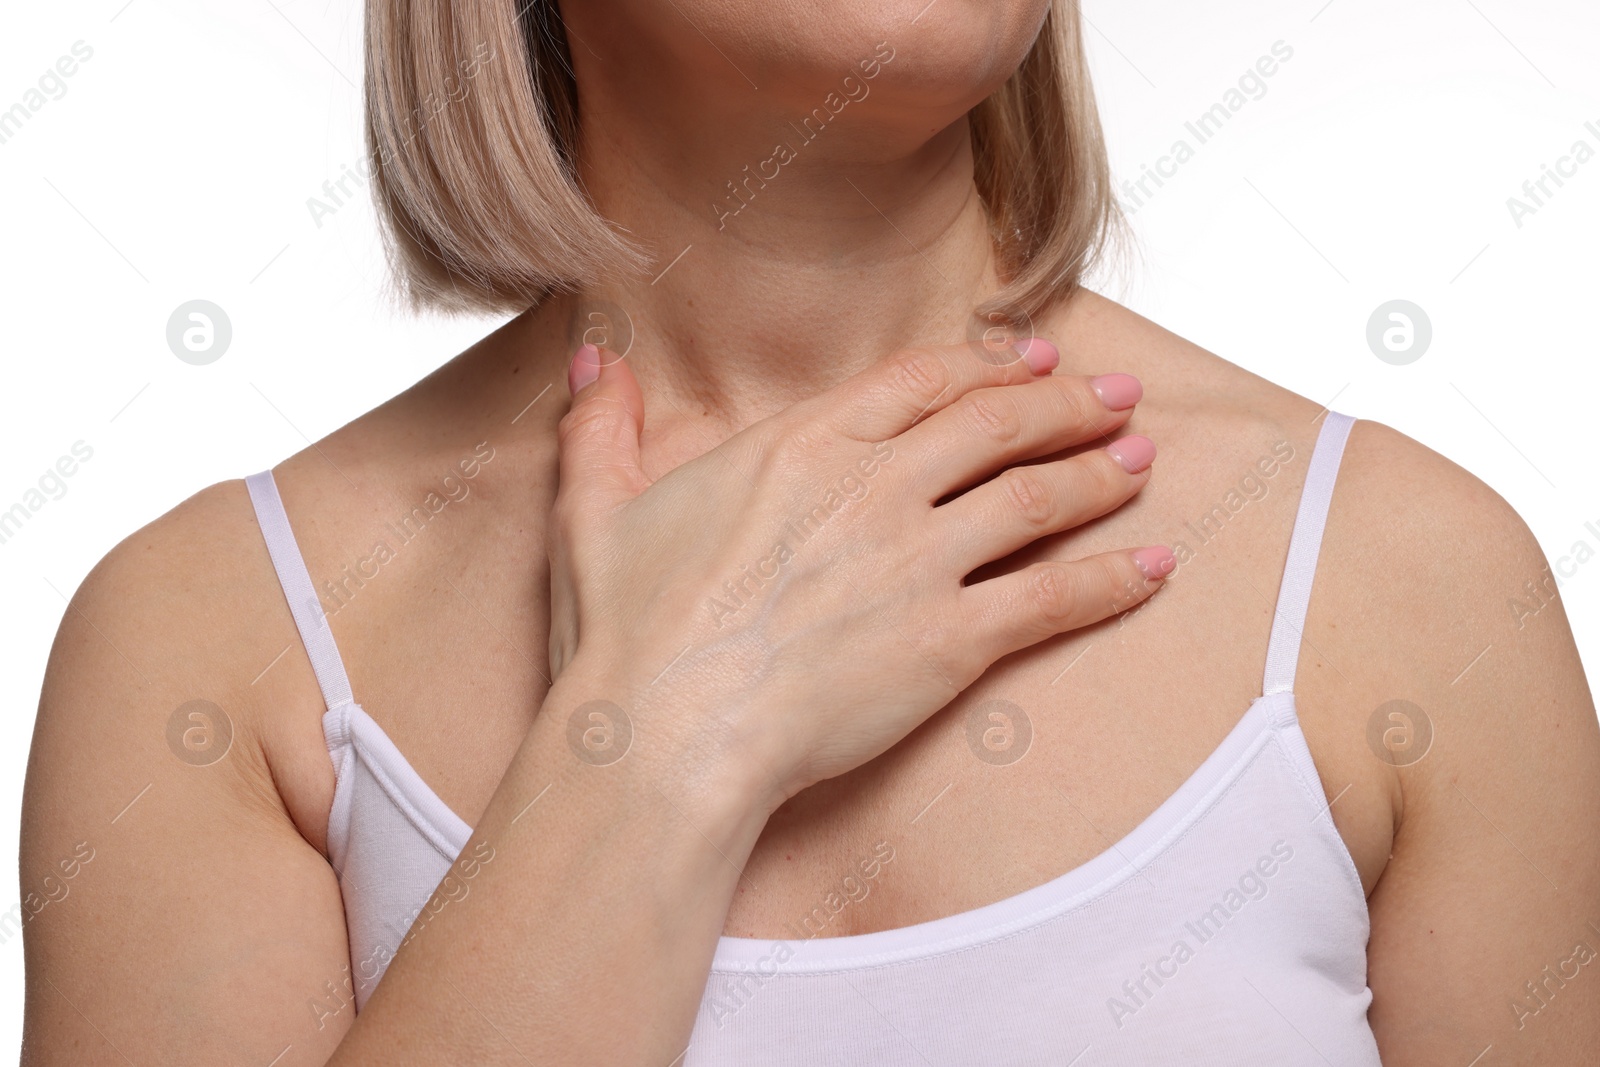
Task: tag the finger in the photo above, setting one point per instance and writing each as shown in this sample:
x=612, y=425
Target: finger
x=886, y=399
x=1030, y=501
x=1020, y=609
x=990, y=428
x=598, y=437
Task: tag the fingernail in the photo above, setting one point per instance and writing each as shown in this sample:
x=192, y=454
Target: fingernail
x=1040, y=355
x=1117, y=391
x=585, y=368
x=1156, y=562
x=1135, y=452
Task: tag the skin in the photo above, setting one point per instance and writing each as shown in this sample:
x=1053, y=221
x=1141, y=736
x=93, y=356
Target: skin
x=209, y=915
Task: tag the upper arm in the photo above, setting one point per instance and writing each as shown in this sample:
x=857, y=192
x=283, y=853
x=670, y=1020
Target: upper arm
x=172, y=913
x=1486, y=920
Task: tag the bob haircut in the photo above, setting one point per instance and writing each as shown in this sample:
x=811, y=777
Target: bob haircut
x=472, y=126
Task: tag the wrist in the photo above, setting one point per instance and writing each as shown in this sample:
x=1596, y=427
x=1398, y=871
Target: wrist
x=667, y=741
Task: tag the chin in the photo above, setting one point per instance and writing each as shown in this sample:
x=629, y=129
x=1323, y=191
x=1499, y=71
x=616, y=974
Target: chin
x=946, y=56
x=957, y=53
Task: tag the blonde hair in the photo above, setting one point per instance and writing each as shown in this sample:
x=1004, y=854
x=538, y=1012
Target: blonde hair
x=472, y=126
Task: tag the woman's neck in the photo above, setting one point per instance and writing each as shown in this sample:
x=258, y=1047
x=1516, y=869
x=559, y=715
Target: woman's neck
x=809, y=268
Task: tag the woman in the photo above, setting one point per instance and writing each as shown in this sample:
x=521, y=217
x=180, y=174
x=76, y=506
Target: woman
x=810, y=688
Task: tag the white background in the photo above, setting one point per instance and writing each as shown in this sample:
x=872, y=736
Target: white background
x=1377, y=167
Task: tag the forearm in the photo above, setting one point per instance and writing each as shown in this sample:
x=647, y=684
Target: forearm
x=586, y=935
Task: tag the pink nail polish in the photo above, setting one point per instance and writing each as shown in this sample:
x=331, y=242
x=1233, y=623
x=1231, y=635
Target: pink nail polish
x=1155, y=562
x=1117, y=391
x=1135, y=452
x=1040, y=355
x=585, y=368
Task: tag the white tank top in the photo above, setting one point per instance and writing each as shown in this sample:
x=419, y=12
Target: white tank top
x=1229, y=927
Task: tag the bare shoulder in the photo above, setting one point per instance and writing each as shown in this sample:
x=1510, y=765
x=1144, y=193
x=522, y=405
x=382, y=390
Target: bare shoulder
x=1430, y=512
x=158, y=657
x=1436, y=651
x=1449, y=634
x=154, y=819
x=1453, y=587
x=1466, y=618
x=190, y=539
x=1443, y=539
x=1435, y=601
x=1442, y=694
x=158, y=614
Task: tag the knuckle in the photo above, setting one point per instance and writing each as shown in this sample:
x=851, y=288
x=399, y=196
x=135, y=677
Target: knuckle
x=800, y=444
x=995, y=419
x=567, y=427
x=581, y=423
x=1129, y=591
x=762, y=438
x=1028, y=496
x=1101, y=478
x=1052, y=590
x=1117, y=571
x=1111, y=584
x=921, y=373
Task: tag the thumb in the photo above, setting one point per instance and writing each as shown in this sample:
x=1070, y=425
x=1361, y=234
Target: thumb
x=599, y=435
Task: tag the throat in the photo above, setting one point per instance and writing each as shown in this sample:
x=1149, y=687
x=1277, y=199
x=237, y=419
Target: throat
x=837, y=263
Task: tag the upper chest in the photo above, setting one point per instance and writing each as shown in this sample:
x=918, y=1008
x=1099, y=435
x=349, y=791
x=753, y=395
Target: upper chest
x=1052, y=757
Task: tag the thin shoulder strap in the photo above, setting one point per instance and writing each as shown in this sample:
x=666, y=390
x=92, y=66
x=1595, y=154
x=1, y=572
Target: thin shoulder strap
x=1294, y=594
x=309, y=616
